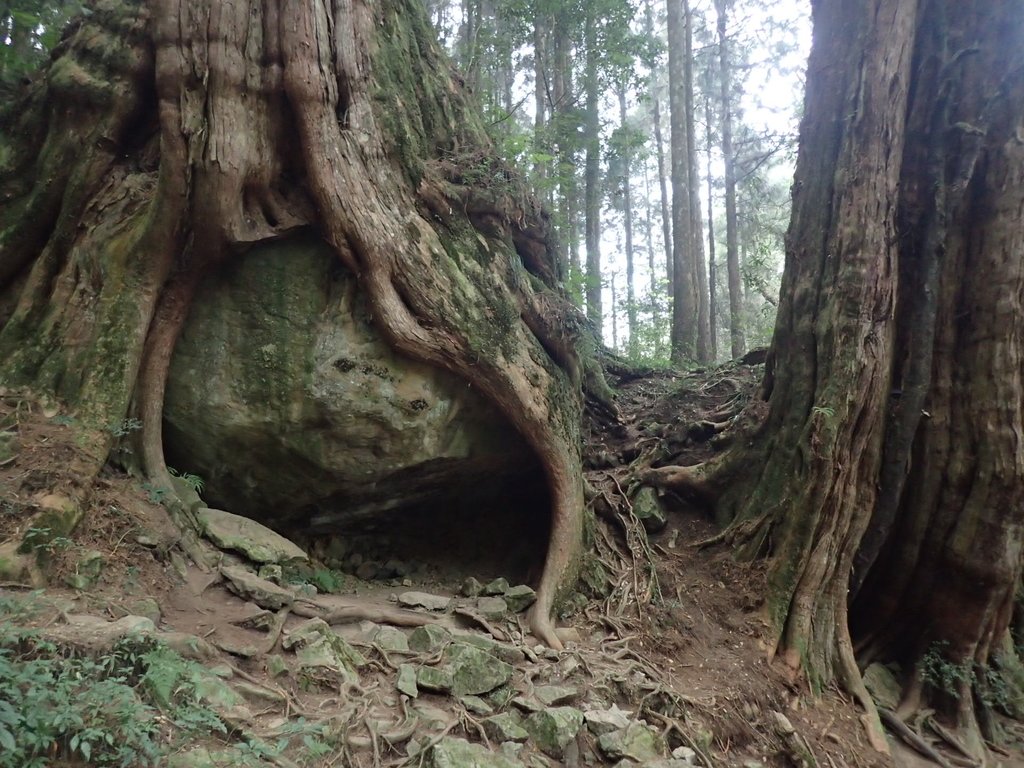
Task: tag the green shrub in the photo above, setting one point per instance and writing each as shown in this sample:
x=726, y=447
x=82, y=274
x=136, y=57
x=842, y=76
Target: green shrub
x=106, y=710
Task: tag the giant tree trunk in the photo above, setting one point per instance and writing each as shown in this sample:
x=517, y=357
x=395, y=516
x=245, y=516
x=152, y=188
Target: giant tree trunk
x=169, y=137
x=894, y=378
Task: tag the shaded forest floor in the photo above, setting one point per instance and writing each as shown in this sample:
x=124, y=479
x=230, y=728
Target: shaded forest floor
x=665, y=662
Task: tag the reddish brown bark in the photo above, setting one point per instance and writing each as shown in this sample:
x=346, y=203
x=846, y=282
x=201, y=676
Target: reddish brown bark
x=894, y=380
x=250, y=120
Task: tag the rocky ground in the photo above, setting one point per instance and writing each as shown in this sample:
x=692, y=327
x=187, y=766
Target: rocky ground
x=288, y=656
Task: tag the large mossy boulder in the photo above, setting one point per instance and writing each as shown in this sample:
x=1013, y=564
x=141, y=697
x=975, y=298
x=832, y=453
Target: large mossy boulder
x=283, y=397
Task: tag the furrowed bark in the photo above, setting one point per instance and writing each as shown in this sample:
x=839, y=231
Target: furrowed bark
x=253, y=120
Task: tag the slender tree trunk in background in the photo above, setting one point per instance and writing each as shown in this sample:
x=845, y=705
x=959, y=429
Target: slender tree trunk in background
x=122, y=199
x=697, y=223
x=507, y=72
x=470, y=54
x=592, y=175
x=659, y=148
x=615, y=314
x=566, y=145
x=684, y=293
x=627, y=226
x=712, y=268
x=890, y=463
x=652, y=266
x=732, y=256
x=542, y=138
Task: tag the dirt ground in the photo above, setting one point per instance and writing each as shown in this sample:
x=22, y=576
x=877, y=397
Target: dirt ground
x=672, y=634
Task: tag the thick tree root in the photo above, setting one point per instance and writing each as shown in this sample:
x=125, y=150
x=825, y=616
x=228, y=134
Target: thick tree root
x=698, y=480
x=912, y=739
x=353, y=611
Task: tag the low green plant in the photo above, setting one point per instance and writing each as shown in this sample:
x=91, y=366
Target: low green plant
x=324, y=579
x=124, y=427
x=195, y=482
x=940, y=672
x=103, y=711
x=155, y=493
x=40, y=539
x=17, y=609
x=327, y=580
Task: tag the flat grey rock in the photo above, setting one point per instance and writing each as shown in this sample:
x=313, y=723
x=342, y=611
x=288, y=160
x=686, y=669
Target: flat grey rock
x=255, y=541
x=424, y=600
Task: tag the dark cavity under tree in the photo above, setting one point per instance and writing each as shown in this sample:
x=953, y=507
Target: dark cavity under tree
x=890, y=461
x=165, y=138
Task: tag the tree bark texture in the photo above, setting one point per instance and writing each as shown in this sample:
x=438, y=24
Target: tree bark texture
x=700, y=269
x=627, y=226
x=659, y=148
x=684, y=286
x=712, y=266
x=167, y=138
x=732, y=256
x=592, y=192
x=891, y=449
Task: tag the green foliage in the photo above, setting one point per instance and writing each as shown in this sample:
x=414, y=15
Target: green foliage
x=29, y=29
x=103, y=711
x=988, y=683
x=195, y=482
x=327, y=580
x=155, y=493
x=324, y=579
x=18, y=609
x=125, y=427
x=943, y=674
x=41, y=539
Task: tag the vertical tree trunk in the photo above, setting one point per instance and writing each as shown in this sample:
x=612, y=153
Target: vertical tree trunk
x=652, y=267
x=732, y=257
x=567, y=146
x=684, y=294
x=947, y=532
x=697, y=224
x=542, y=139
x=659, y=150
x=712, y=267
x=470, y=59
x=892, y=438
x=615, y=313
x=592, y=174
x=627, y=226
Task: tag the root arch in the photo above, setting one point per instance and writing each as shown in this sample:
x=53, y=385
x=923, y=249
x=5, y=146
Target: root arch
x=274, y=117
